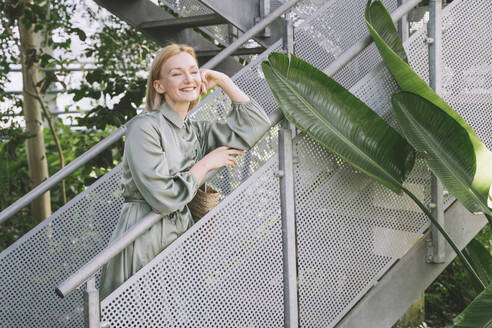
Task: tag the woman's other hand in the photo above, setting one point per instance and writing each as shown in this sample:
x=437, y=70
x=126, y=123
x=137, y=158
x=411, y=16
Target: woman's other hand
x=217, y=158
x=222, y=156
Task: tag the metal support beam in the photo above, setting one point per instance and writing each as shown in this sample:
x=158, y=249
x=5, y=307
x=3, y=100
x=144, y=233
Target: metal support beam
x=287, y=204
x=243, y=14
x=92, y=315
x=184, y=22
x=137, y=12
x=437, y=253
x=264, y=11
x=249, y=34
x=385, y=303
x=238, y=52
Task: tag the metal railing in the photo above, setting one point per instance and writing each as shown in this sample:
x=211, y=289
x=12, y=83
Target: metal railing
x=88, y=271
x=62, y=174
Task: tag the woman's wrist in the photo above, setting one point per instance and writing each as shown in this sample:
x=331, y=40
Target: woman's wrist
x=232, y=90
x=199, y=170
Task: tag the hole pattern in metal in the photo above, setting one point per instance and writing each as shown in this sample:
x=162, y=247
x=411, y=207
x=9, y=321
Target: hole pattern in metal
x=197, y=282
x=48, y=254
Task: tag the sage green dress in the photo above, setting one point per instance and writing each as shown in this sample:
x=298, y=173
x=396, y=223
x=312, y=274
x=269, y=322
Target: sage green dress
x=160, y=149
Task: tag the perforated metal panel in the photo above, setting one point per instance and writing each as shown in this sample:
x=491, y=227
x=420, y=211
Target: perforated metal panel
x=48, y=254
x=467, y=64
x=197, y=282
x=350, y=230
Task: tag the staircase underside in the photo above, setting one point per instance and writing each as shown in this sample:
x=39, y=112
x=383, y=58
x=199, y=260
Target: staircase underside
x=393, y=294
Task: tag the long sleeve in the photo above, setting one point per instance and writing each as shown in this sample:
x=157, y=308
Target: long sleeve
x=148, y=165
x=245, y=124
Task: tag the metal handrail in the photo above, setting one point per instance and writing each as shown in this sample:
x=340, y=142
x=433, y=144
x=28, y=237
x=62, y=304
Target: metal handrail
x=108, y=253
x=102, y=145
x=89, y=269
x=62, y=174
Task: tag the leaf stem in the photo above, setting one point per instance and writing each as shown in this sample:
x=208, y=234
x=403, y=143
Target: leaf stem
x=446, y=236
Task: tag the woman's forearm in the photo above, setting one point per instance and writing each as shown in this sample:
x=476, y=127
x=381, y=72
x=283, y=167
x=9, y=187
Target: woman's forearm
x=199, y=170
x=232, y=90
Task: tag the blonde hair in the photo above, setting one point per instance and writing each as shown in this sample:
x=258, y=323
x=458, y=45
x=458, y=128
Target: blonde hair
x=153, y=99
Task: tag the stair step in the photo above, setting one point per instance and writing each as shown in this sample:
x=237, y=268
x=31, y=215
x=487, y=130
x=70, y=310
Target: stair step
x=238, y=52
x=184, y=22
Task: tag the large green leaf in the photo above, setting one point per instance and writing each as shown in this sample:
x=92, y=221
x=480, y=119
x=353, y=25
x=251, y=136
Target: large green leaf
x=339, y=121
x=489, y=202
x=343, y=124
x=481, y=260
x=468, y=177
x=479, y=313
x=385, y=36
x=464, y=169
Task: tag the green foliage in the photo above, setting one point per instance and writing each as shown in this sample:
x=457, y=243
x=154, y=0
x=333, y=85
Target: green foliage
x=338, y=120
x=446, y=297
x=454, y=289
x=15, y=182
x=453, y=151
x=117, y=87
x=477, y=314
x=344, y=125
x=114, y=90
x=403, y=74
x=481, y=259
x=448, y=150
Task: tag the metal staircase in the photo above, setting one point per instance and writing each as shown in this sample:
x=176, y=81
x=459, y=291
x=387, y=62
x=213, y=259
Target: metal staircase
x=227, y=269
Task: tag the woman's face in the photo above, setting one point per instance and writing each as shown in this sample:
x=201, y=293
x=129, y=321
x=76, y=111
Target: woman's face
x=179, y=79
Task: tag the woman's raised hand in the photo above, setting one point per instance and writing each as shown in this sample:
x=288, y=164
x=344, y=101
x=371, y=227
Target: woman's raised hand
x=210, y=79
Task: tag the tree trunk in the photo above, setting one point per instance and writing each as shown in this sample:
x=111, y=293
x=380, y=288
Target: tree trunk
x=36, y=152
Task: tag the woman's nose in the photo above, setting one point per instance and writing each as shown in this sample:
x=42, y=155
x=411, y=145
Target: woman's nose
x=187, y=76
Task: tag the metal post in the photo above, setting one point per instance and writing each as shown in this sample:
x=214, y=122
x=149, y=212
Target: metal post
x=403, y=24
x=264, y=11
x=287, y=203
x=91, y=304
x=437, y=205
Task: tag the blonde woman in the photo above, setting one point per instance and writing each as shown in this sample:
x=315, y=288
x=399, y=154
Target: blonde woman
x=167, y=155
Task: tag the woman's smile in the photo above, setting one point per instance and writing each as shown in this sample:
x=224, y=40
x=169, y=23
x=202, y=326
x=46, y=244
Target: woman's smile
x=188, y=89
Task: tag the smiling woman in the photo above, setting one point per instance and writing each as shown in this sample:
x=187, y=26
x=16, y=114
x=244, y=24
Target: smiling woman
x=167, y=155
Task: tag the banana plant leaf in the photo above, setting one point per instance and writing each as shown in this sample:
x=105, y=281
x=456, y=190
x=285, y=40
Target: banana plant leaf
x=344, y=125
x=468, y=177
x=489, y=202
x=339, y=121
x=387, y=40
x=478, y=314
x=464, y=169
x=481, y=260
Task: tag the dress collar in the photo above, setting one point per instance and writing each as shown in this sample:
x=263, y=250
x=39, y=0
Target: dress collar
x=172, y=115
